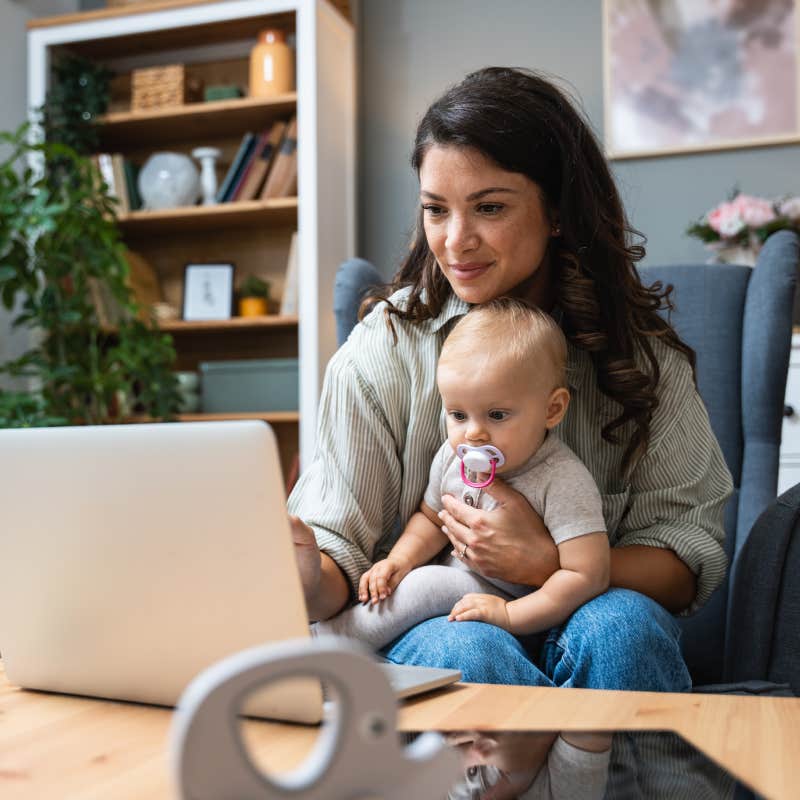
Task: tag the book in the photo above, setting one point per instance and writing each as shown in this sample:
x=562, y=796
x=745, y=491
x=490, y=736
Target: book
x=289, y=299
x=131, y=176
x=233, y=194
x=265, y=152
x=120, y=184
x=282, y=178
x=106, y=167
x=239, y=160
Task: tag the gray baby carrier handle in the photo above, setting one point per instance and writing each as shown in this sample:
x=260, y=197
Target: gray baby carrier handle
x=357, y=753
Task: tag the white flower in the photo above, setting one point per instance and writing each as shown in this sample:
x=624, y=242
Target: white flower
x=790, y=207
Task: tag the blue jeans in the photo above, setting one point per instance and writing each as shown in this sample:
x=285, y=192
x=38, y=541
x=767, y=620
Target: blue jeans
x=619, y=640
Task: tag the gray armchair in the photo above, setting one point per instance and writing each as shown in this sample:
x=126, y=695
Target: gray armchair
x=739, y=322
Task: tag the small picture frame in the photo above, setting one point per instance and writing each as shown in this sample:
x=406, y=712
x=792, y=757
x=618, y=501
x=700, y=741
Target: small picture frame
x=208, y=292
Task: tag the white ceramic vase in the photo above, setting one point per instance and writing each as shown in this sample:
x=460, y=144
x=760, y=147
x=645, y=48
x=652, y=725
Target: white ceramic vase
x=169, y=180
x=735, y=254
x=207, y=156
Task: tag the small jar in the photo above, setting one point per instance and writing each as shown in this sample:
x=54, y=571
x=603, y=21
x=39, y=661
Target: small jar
x=271, y=65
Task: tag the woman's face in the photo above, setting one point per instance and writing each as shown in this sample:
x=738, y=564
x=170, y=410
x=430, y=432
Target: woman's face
x=487, y=227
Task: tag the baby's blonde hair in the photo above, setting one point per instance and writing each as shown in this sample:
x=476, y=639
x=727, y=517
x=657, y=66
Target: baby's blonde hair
x=512, y=331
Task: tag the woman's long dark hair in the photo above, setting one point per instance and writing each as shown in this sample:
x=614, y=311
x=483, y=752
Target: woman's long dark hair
x=525, y=124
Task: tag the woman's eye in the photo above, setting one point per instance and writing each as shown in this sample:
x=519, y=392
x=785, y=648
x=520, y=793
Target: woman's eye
x=433, y=211
x=490, y=208
x=498, y=415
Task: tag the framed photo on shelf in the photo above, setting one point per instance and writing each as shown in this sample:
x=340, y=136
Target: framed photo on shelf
x=692, y=75
x=208, y=292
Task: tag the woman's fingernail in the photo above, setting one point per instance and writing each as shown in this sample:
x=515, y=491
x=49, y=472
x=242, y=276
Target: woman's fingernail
x=441, y=514
x=444, y=529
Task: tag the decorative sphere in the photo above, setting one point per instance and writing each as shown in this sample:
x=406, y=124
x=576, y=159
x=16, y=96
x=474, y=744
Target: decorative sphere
x=168, y=180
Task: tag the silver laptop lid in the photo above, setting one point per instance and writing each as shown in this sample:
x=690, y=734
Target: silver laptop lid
x=134, y=556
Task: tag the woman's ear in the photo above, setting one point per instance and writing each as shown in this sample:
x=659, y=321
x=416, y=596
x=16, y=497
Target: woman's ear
x=556, y=407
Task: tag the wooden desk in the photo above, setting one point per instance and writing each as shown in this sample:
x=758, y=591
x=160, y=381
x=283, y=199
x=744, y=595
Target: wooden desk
x=69, y=747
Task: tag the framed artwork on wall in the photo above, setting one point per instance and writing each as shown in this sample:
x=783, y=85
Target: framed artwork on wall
x=689, y=75
x=208, y=292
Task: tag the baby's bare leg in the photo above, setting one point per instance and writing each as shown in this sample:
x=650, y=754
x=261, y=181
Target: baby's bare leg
x=427, y=591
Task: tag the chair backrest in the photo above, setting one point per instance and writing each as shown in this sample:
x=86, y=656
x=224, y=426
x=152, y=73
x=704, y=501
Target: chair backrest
x=353, y=278
x=764, y=642
x=739, y=322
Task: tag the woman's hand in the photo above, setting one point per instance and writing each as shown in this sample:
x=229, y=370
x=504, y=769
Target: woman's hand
x=307, y=555
x=324, y=585
x=510, y=542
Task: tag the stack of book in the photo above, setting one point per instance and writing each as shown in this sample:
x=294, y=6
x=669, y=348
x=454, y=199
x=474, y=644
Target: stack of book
x=119, y=175
x=265, y=165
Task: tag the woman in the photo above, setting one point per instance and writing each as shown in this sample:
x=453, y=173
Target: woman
x=516, y=198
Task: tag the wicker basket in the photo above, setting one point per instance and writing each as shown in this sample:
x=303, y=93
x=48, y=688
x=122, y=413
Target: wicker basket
x=159, y=87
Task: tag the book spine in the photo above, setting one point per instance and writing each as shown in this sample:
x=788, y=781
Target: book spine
x=106, y=167
x=279, y=178
x=246, y=169
x=124, y=203
x=227, y=184
x=266, y=150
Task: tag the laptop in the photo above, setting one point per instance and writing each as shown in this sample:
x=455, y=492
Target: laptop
x=134, y=556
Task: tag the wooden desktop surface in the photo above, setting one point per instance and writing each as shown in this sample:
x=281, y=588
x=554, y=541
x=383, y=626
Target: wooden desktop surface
x=70, y=747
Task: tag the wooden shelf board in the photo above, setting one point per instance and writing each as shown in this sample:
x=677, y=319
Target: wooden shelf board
x=202, y=120
x=273, y=417
x=111, y=12
x=281, y=211
x=343, y=6
x=233, y=324
x=187, y=36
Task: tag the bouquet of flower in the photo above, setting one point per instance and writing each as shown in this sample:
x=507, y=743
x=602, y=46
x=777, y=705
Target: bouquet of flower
x=744, y=222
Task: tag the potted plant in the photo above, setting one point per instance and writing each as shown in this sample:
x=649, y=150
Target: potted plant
x=253, y=297
x=59, y=249
x=736, y=229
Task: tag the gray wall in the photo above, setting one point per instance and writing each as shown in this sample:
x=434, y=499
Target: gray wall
x=13, y=91
x=412, y=49
x=14, y=18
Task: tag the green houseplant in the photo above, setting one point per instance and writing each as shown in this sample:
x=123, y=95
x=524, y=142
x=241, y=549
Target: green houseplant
x=253, y=297
x=59, y=246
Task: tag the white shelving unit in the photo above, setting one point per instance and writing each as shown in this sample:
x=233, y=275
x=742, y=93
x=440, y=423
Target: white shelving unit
x=173, y=31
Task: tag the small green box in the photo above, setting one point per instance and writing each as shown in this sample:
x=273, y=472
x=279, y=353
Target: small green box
x=263, y=384
x=221, y=92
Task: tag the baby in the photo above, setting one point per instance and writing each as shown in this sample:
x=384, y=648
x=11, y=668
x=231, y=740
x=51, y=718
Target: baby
x=501, y=375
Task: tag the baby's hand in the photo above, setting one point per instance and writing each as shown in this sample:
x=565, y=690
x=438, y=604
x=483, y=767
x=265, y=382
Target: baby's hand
x=481, y=607
x=380, y=580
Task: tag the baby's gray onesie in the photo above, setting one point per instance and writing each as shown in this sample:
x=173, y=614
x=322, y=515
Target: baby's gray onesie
x=556, y=484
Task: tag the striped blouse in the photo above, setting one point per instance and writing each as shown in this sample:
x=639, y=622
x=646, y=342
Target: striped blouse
x=381, y=422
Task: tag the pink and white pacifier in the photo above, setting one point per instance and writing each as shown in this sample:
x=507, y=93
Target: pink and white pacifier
x=486, y=458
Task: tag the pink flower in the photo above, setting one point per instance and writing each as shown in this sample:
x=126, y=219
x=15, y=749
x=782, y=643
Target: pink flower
x=754, y=211
x=726, y=219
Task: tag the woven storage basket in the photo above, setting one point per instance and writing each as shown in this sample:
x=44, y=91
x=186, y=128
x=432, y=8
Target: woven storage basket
x=158, y=87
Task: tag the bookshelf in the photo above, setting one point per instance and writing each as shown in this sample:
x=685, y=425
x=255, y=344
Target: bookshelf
x=281, y=211
x=212, y=39
x=218, y=118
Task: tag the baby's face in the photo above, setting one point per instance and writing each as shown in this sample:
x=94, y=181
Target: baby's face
x=491, y=403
